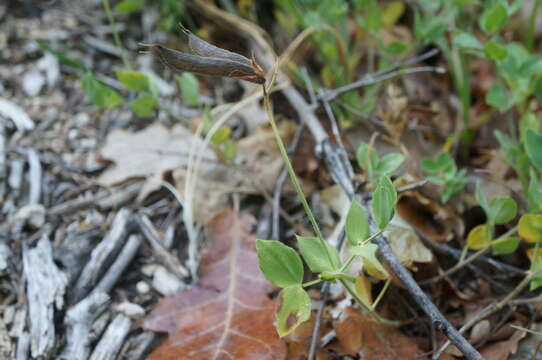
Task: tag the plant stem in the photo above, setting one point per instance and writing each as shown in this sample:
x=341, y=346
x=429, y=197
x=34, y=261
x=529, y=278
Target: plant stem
x=116, y=37
x=313, y=282
x=373, y=313
x=532, y=26
x=292, y=174
x=381, y=294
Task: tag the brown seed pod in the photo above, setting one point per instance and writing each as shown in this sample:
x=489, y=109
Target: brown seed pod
x=209, y=60
x=203, y=48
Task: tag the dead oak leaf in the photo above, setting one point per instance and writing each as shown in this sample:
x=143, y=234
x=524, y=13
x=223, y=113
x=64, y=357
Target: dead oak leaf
x=361, y=335
x=147, y=153
x=228, y=315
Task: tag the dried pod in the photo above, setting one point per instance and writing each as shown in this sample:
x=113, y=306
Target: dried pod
x=209, y=60
x=203, y=48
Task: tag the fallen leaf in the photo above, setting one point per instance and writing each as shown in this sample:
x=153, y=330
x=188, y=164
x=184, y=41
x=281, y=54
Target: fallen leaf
x=406, y=244
x=362, y=336
x=146, y=153
x=228, y=315
x=502, y=349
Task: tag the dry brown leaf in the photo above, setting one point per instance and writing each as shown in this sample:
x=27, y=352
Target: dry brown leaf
x=362, y=336
x=406, y=243
x=228, y=315
x=146, y=153
x=502, y=349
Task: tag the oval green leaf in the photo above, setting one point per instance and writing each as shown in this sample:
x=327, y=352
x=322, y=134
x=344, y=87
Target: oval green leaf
x=530, y=228
x=533, y=145
x=318, y=254
x=294, y=308
x=279, y=263
x=502, y=210
x=383, y=204
x=505, y=246
x=371, y=264
x=478, y=238
x=357, y=224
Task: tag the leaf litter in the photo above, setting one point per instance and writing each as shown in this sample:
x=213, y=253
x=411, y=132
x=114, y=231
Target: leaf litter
x=229, y=314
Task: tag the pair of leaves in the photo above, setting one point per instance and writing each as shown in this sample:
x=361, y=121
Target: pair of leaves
x=377, y=167
x=500, y=210
x=443, y=171
x=145, y=105
x=382, y=206
x=282, y=267
x=480, y=237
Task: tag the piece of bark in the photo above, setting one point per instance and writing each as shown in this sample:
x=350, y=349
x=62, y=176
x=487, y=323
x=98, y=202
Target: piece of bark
x=79, y=321
x=46, y=285
x=102, y=256
x=139, y=346
x=162, y=254
x=113, y=338
x=122, y=261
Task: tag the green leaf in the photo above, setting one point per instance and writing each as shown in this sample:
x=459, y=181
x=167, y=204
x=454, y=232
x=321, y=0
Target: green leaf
x=134, y=80
x=144, y=106
x=357, y=225
x=189, y=86
x=442, y=164
x=533, y=146
x=534, y=197
x=528, y=121
x=482, y=201
x=383, y=204
x=98, y=93
x=367, y=162
x=466, y=40
x=294, y=308
x=396, y=48
x=129, y=6
x=454, y=185
x=229, y=149
x=499, y=97
x=389, y=163
x=495, y=51
x=538, y=89
x=505, y=246
x=370, y=262
x=530, y=228
x=502, y=210
x=478, y=237
x=220, y=136
x=318, y=254
x=493, y=17
x=536, y=267
x=279, y=263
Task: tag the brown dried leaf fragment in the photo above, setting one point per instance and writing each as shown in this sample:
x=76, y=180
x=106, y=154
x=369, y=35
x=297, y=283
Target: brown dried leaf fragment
x=228, y=315
x=209, y=60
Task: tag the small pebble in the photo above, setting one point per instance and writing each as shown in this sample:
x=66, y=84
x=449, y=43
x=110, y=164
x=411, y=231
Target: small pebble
x=165, y=282
x=131, y=310
x=143, y=288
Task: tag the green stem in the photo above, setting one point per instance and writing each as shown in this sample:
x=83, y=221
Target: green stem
x=116, y=37
x=292, y=174
x=313, y=282
x=373, y=313
x=351, y=258
x=532, y=26
x=381, y=294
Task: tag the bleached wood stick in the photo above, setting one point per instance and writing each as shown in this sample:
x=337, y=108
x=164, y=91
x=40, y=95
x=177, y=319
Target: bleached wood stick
x=45, y=289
